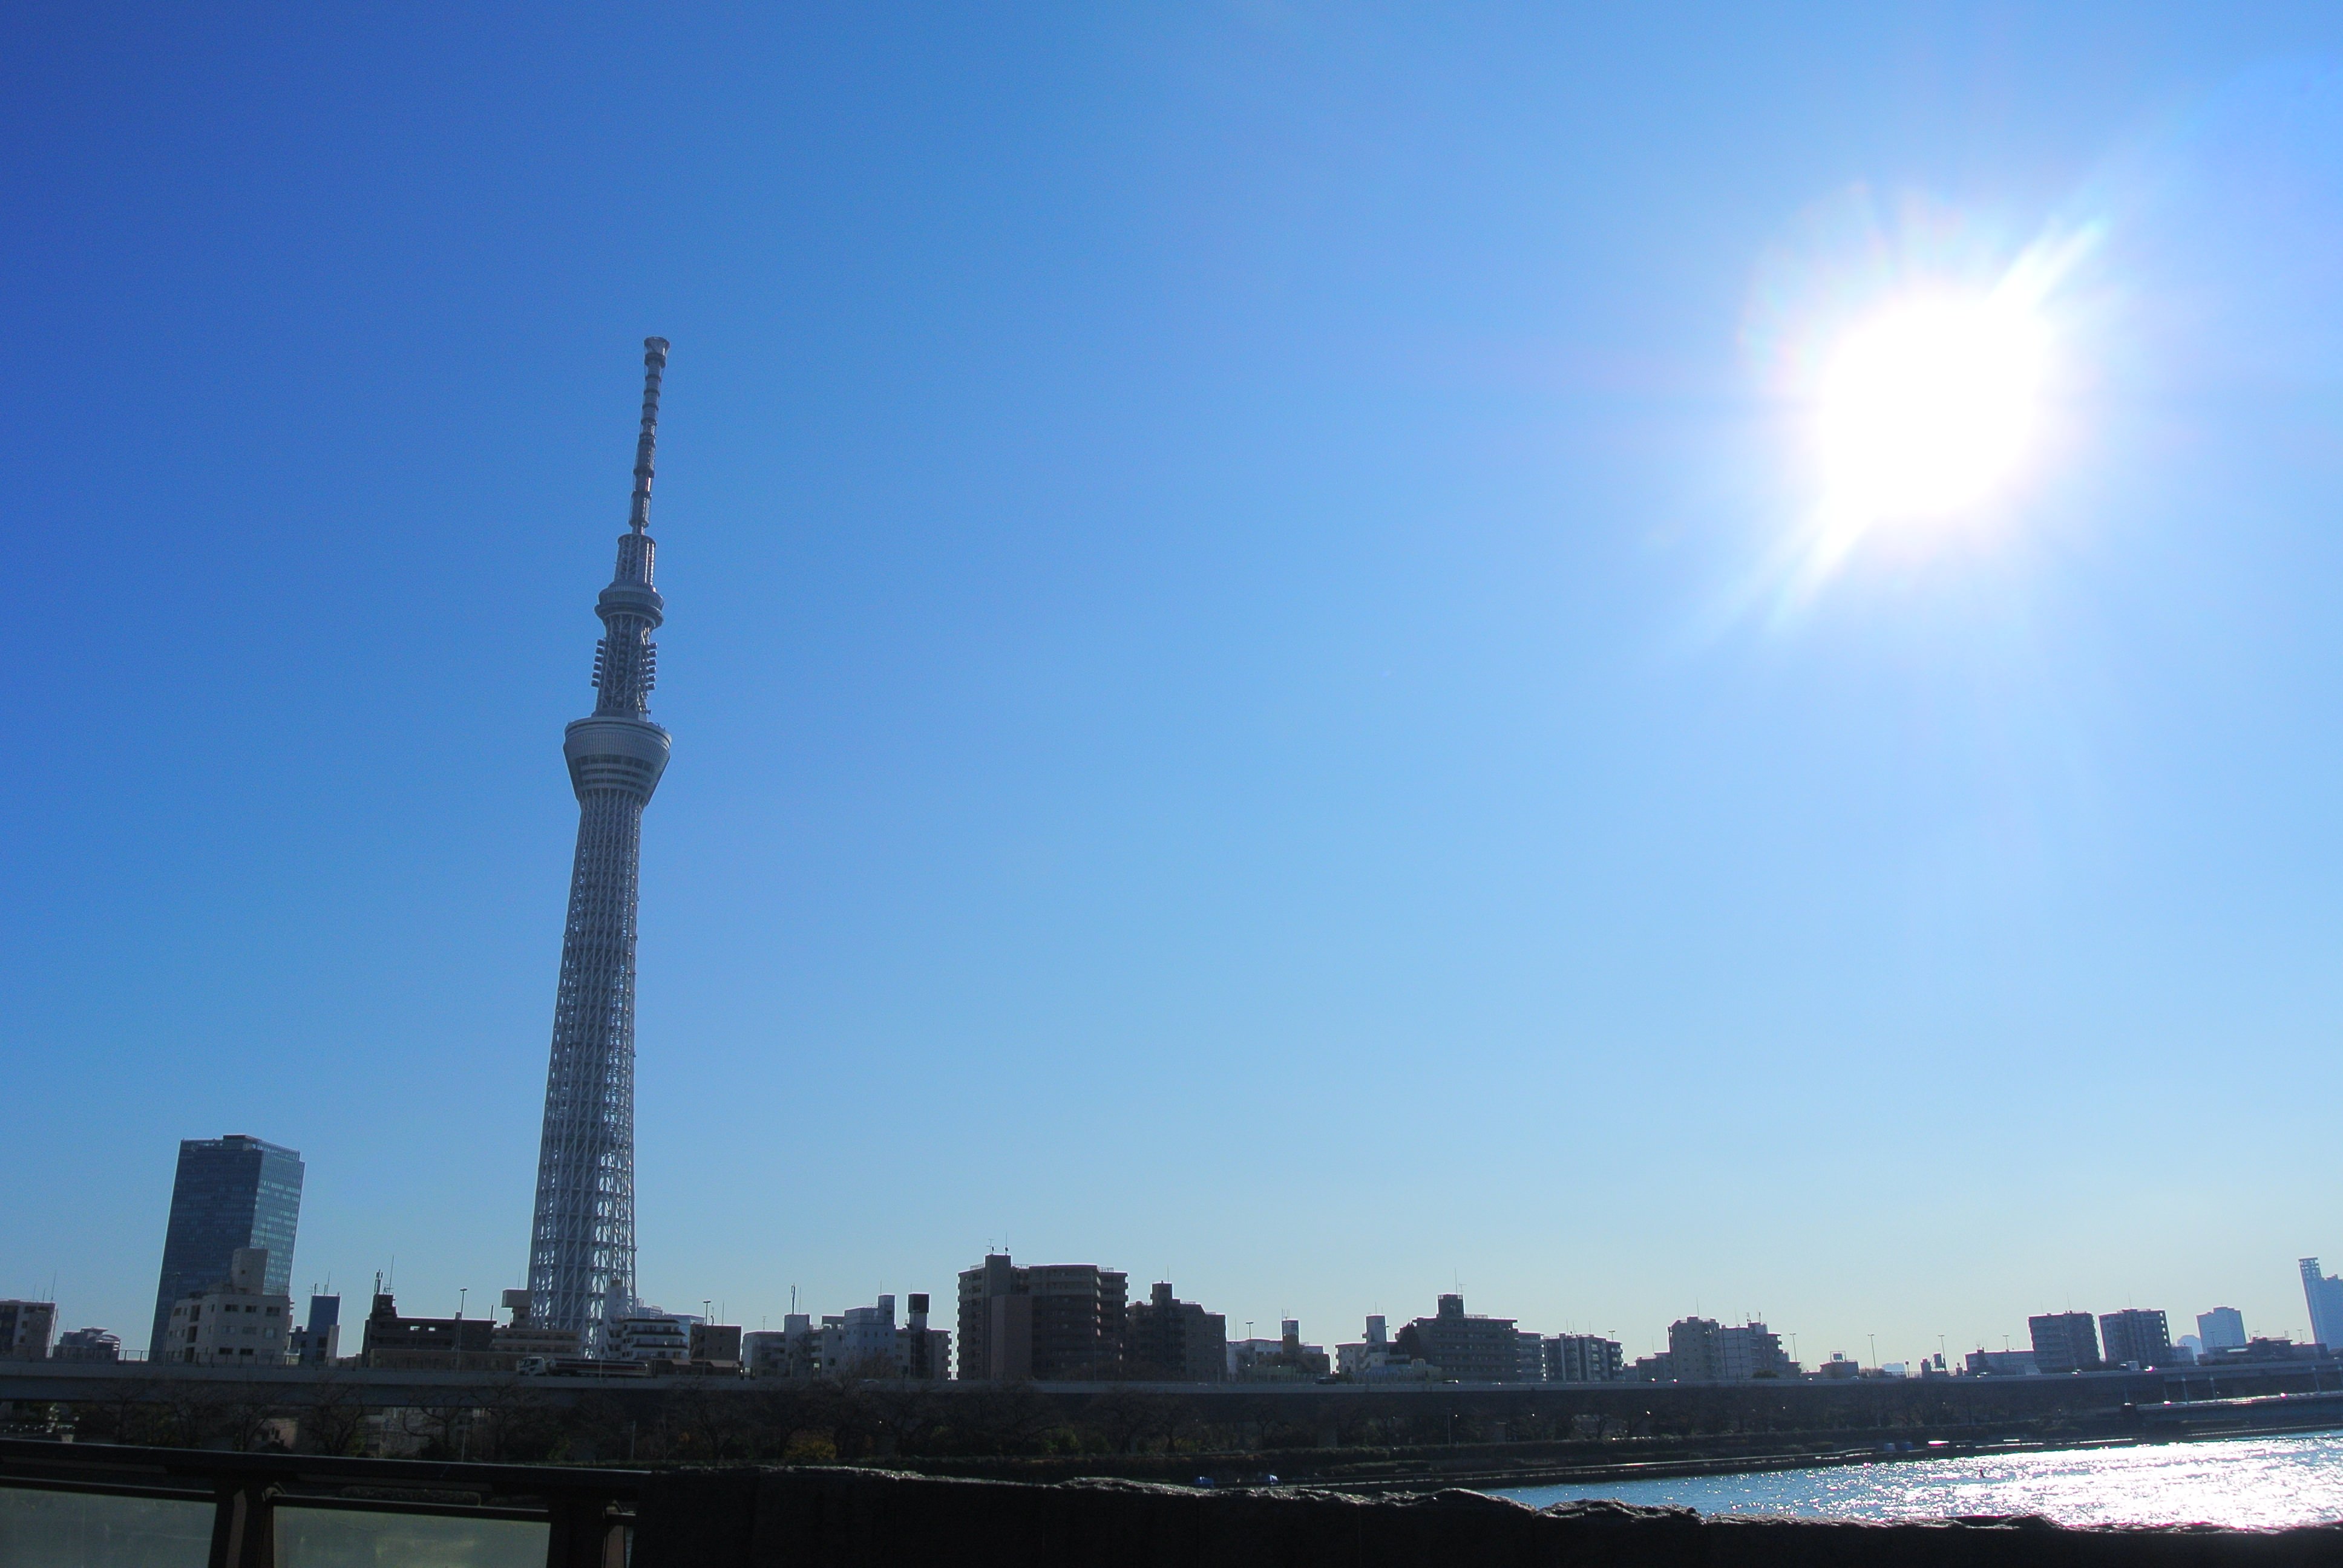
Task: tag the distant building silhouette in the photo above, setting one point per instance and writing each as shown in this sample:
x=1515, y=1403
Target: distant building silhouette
x=1700, y=1350
x=2324, y=1294
x=526, y=1337
x=2136, y=1337
x=2065, y=1342
x=1285, y=1359
x=791, y=1351
x=1176, y=1341
x=1464, y=1347
x=716, y=1347
x=1583, y=1358
x=647, y=1336
x=230, y=1193
x=2258, y=1350
x=87, y=1345
x=1376, y=1359
x=428, y=1344
x=319, y=1344
x=236, y=1320
x=867, y=1342
x=2222, y=1329
x=25, y=1328
x=861, y=1341
x=1050, y=1321
x=923, y=1354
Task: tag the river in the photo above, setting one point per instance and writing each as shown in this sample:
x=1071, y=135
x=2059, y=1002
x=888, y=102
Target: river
x=2262, y=1482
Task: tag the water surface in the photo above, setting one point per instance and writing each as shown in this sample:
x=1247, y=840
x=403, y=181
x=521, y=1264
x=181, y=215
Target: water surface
x=2262, y=1482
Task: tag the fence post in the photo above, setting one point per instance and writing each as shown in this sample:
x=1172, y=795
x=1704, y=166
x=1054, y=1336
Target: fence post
x=583, y=1534
x=244, y=1526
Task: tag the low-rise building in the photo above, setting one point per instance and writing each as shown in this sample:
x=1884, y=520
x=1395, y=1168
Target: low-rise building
x=1281, y=1359
x=716, y=1347
x=1376, y=1360
x=237, y=1323
x=1354, y=1358
x=858, y=1344
x=791, y=1351
x=25, y=1330
x=2002, y=1364
x=2258, y=1350
x=428, y=1344
x=647, y=1336
x=525, y=1338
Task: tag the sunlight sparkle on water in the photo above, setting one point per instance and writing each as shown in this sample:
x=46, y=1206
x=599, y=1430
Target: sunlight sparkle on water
x=2243, y=1483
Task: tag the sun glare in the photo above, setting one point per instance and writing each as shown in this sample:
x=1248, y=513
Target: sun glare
x=1927, y=407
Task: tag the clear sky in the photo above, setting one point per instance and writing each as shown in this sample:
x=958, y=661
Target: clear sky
x=1256, y=699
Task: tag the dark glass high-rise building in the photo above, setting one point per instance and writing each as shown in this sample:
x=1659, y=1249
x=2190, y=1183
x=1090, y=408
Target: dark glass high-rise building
x=230, y=1192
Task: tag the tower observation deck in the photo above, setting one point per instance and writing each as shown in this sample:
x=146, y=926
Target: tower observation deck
x=581, y=1255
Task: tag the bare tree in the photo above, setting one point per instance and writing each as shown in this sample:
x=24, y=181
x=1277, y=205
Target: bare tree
x=712, y=1425
x=442, y=1429
x=516, y=1421
x=1126, y=1418
x=907, y=1412
x=336, y=1422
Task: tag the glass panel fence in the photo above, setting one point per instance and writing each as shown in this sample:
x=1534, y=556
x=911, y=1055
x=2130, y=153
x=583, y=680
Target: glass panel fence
x=348, y=1538
x=91, y=1530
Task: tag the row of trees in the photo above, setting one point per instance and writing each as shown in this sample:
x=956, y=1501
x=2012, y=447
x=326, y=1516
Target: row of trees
x=521, y=1419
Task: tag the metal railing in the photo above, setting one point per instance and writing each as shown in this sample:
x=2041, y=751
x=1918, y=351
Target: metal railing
x=94, y=1505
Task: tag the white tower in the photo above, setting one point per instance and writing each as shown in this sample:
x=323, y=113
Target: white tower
x=581, y=1256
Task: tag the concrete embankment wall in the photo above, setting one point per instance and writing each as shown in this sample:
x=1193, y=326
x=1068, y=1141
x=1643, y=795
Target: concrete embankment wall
x=842, y=1518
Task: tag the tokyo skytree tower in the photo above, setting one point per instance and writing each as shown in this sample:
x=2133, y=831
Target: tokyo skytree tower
x=581, y=1255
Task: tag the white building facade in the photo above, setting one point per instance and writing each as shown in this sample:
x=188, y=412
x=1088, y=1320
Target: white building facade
x=237, y=1322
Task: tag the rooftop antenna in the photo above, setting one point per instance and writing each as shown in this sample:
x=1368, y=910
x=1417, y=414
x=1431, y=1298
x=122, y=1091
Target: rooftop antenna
x=654, y=365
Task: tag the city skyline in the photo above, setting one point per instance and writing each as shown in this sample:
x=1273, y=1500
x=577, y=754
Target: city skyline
x=237, y=1188
x=1237, y=618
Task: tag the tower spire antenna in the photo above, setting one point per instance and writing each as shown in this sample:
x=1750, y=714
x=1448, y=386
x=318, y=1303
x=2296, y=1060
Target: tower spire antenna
x=654, y=367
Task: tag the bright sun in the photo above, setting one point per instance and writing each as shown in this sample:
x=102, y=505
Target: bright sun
x=1929, y=406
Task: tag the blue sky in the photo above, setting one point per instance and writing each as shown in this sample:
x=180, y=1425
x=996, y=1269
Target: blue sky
x=1232, y=714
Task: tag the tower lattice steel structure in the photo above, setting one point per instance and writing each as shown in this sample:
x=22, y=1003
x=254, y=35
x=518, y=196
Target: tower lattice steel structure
x=581, y=1256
